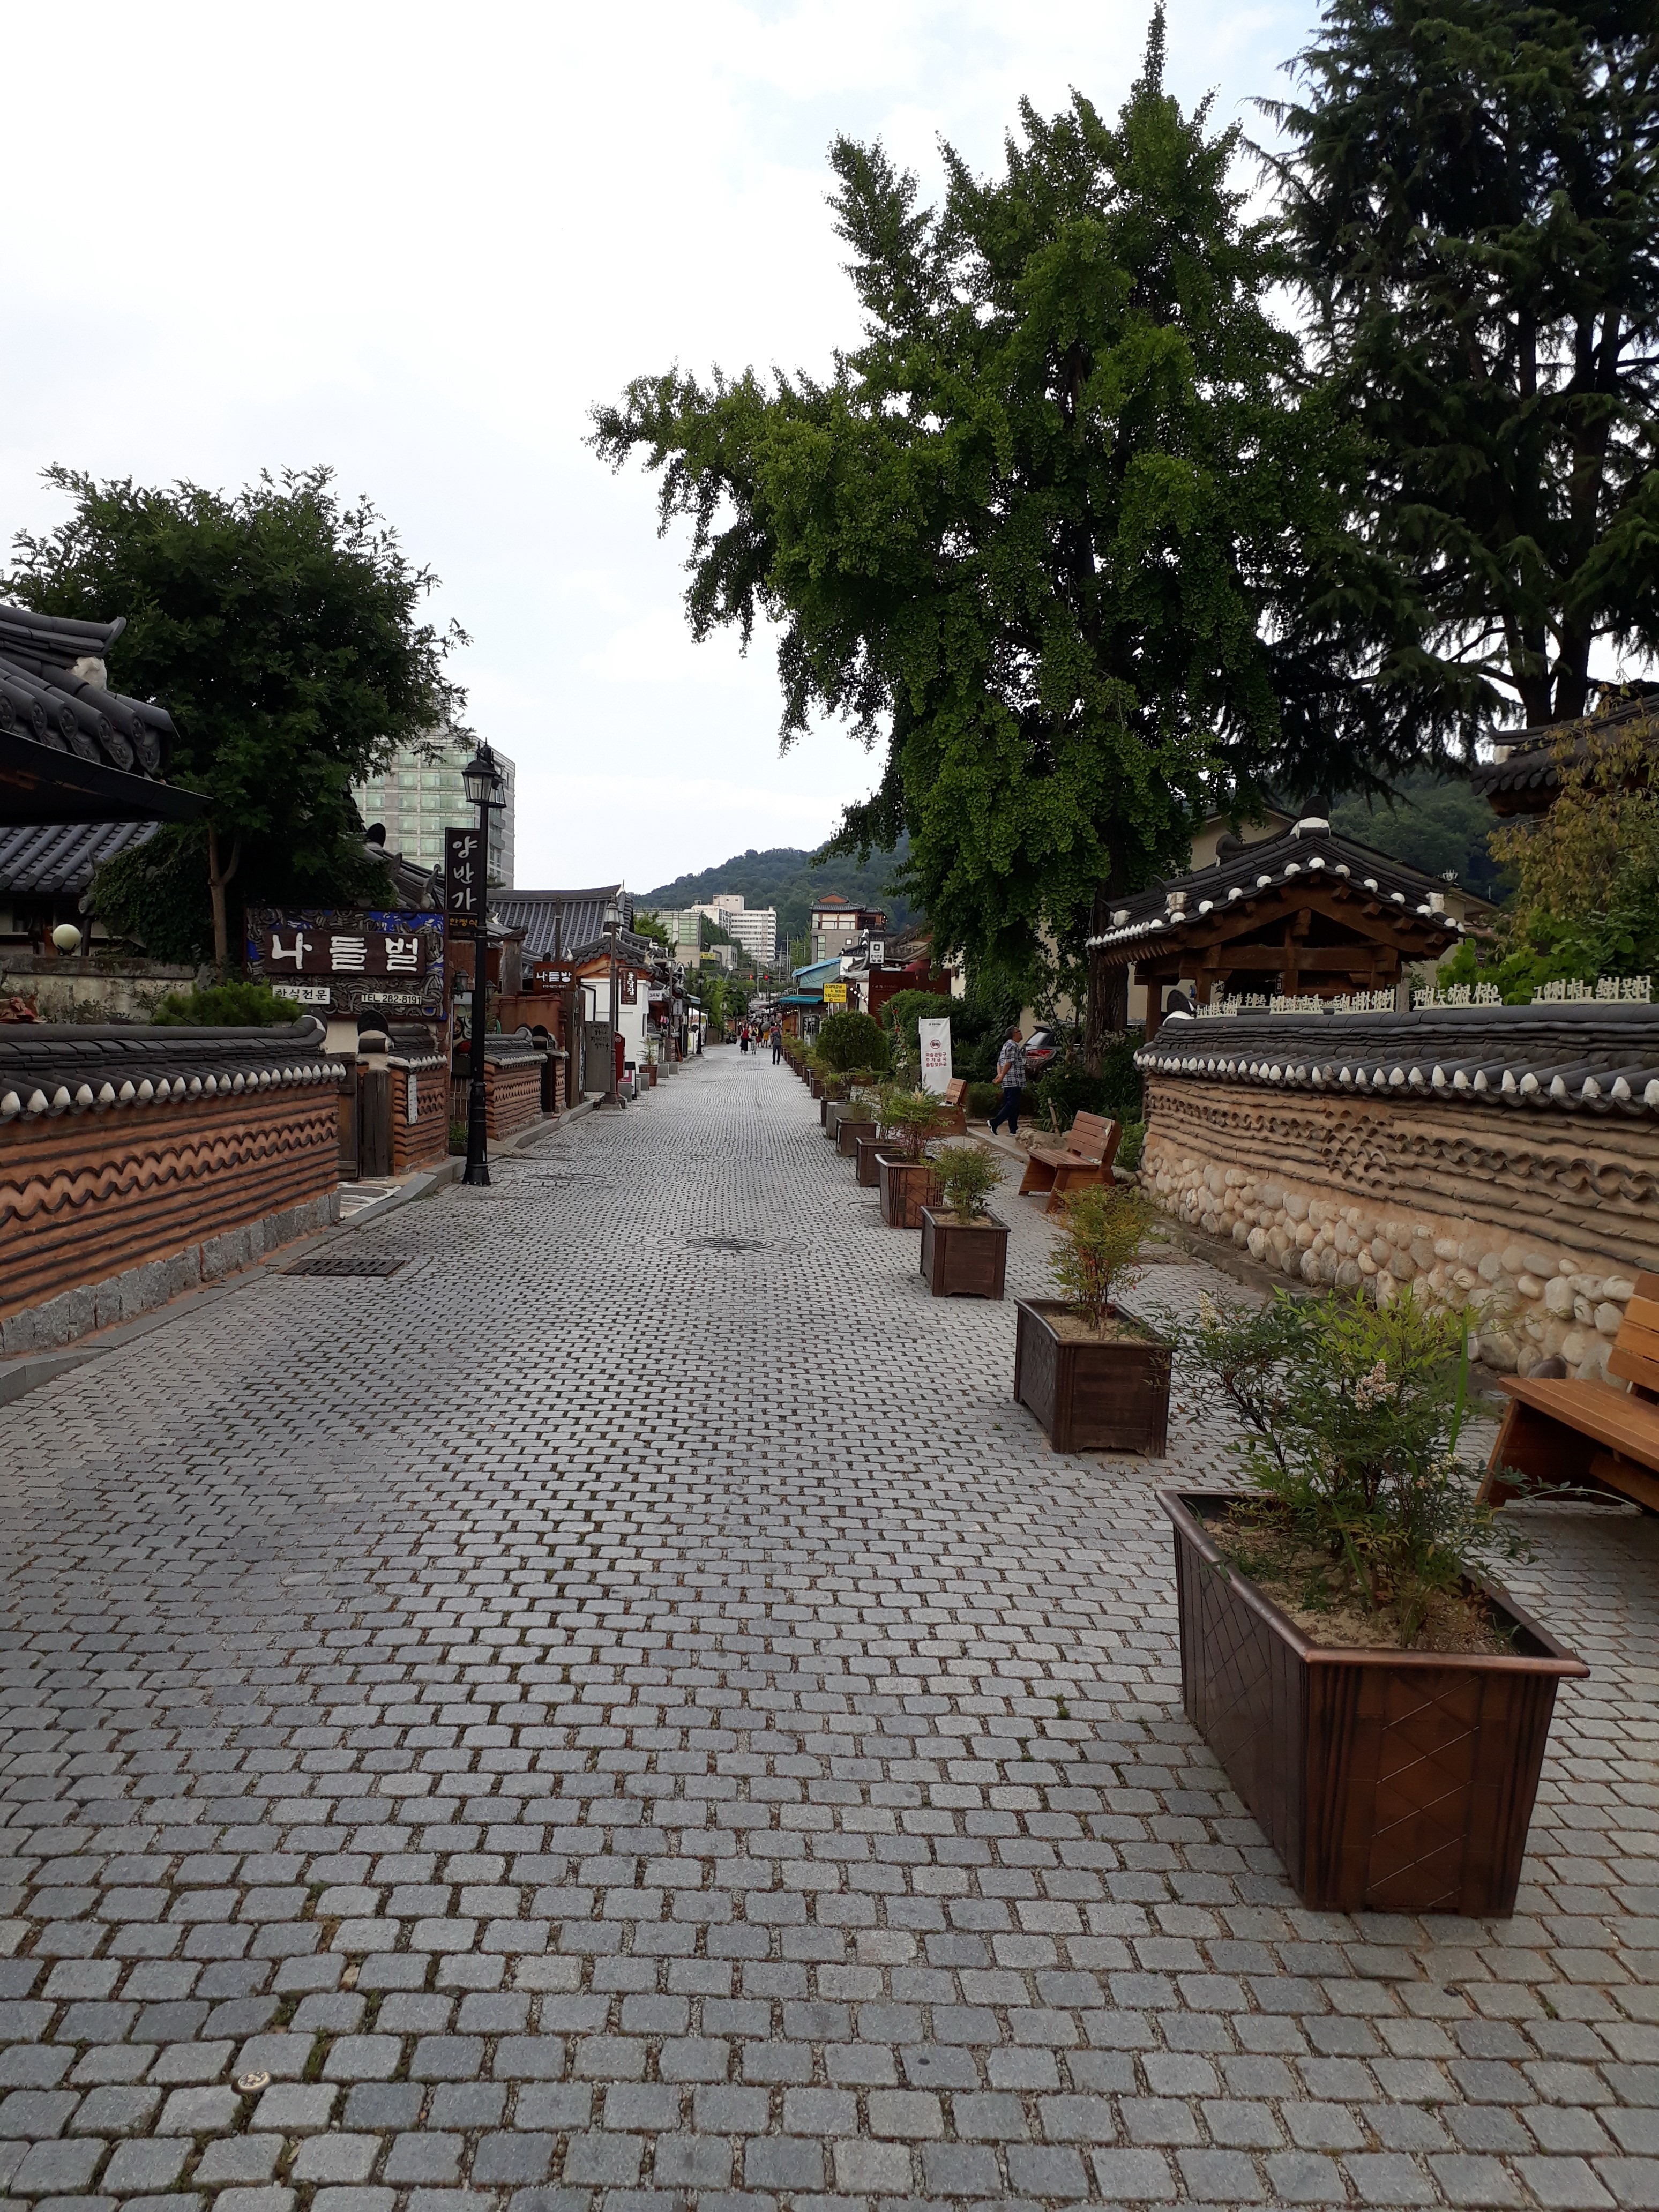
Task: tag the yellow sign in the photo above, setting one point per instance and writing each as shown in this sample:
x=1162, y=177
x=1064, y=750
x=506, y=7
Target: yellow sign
x=835, y=994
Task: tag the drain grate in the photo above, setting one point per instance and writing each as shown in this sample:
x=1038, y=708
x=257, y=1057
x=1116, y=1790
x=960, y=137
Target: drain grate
x=336, y=1263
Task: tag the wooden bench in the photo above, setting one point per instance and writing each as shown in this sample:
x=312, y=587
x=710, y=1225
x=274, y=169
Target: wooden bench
x=953, y=1113
x=1085, y=1156
x=1560, y=1434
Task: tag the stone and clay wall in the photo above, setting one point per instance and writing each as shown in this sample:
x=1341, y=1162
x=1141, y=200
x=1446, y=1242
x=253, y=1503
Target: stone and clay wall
x=1539, y=1219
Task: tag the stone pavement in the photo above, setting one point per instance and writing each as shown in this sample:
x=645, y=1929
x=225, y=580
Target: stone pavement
x=626, y=1713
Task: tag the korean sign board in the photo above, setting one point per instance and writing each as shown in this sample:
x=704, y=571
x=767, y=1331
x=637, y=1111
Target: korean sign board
x=343, y=963
x=835, y=994
x=934, y=1039
x=465, y=882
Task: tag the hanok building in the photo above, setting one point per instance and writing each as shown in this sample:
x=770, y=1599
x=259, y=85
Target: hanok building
x=1307, y=913
x=134, y=1163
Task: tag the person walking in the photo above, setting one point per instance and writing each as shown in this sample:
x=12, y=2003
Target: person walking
x=743, y=1038
x=777, y=1043
x=1011, y=1074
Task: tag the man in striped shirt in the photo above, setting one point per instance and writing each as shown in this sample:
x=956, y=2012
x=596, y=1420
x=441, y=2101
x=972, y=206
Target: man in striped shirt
x=1011, y=1074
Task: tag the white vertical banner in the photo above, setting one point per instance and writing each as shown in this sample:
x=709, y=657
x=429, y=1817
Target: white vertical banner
x=935, y=1040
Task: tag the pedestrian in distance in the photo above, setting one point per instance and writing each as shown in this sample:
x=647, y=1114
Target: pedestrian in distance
x=1011, y=1074
x=777, y=1043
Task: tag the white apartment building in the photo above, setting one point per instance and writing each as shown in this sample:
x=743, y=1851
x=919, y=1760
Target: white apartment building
x=754, y=927
x=418, y=799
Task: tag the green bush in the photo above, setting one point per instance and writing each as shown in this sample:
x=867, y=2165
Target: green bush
x=984, y=1099
x=849, y=1040
x=1116, y=1091
x=1131, y=1145
x=906, y=1008
x=226, y=1007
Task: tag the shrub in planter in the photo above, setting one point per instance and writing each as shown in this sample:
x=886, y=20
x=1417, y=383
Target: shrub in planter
x=846, y=1041
x=908, y=1119
x=964, y=1253
x=1096, y=1379
x=1066, y=1091
x=1377, y=1702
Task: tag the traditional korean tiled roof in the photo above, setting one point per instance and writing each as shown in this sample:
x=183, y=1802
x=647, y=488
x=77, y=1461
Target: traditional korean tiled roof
x=54, y=687
x=1159, y=920
x=637, y=951
x=556, y=923
x=1525, y=772
x=47, y=859
x=62, y=1068
x=1600, y=1058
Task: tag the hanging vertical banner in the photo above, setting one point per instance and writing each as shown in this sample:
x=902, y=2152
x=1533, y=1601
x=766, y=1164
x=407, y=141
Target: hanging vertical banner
x=464, y=883
x=935, y=1040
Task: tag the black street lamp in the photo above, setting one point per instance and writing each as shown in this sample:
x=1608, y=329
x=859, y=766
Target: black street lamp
x=612, y=924
x=482, y=782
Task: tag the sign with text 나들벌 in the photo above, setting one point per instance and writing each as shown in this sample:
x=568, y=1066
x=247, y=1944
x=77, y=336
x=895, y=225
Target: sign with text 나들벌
x=464, y=883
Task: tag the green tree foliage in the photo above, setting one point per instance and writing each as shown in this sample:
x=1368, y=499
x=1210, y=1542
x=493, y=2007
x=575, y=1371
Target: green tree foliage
x=1586, y=898
x=790, y=879
x=1473, y=201
x=649, y=924
x=1048, y=533
x=281, y=630
x=1434, y=823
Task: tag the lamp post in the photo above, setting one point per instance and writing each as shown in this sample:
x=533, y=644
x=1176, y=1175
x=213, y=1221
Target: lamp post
x=482, y=781
x=612, y=924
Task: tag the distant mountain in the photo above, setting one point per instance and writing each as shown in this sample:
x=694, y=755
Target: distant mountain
x=784, y=876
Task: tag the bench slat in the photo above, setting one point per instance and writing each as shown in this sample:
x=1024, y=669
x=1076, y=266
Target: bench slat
x=1610, y=1417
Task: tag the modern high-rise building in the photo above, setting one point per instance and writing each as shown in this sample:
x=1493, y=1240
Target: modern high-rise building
x=755, y=927
x=418, y=799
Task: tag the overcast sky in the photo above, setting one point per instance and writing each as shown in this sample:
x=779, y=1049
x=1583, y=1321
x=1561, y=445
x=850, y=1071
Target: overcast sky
x=419, y=243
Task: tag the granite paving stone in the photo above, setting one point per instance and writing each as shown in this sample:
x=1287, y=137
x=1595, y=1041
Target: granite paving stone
x=626, y=1714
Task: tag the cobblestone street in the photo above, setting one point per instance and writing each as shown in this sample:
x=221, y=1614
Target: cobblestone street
x=625, y=1712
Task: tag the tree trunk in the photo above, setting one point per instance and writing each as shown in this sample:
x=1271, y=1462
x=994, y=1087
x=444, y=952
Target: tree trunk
x=1106, y=1011
x=217, y=879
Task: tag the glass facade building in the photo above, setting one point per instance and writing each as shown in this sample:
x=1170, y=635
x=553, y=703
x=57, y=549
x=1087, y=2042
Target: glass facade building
x=418, y=799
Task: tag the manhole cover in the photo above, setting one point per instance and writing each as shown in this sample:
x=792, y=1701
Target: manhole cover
x=336, y=1262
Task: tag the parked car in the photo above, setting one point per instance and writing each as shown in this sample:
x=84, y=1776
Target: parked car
x=1042, y=1050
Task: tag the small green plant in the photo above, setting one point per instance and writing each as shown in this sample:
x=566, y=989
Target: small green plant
x=226, y=1006
x=1131, y=1144
x=1103, y=1228
x=1351, y=1415
x=910, y=1118
x=967, y=1177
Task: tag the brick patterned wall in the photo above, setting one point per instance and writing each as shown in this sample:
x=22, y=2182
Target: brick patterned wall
x=424, y=1141
x=513, y=1092
x=85, y=1197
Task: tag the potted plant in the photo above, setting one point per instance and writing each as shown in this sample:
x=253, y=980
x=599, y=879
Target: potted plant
x=858, y=1118
x=964, y=1253
x=1378, y=1701
x=904, y=1172
x=1097, y=1379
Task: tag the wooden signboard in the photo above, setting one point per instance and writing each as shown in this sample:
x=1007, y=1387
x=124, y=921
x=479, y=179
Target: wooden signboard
x=464, y=882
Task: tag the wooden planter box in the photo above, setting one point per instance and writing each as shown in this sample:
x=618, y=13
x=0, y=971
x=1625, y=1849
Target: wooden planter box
x=866, y=1147
x=961, y=1260
x=1091, y=1397
x=1387, y=1781
x=852, y=1127
x=906, y=1186
x=814, y=1085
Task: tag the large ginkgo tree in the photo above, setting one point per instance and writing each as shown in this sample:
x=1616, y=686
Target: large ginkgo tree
x=1057, y=535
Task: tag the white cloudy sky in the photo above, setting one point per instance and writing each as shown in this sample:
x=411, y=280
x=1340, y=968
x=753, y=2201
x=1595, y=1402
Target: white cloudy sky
x=419, y=242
